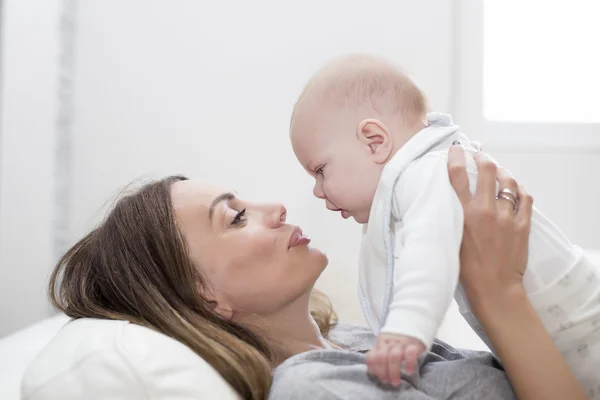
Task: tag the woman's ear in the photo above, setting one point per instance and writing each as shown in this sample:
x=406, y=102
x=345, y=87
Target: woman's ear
x=374, y=134
x=221, y=308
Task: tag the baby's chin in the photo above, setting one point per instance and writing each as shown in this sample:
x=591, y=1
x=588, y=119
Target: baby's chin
x=361, y=218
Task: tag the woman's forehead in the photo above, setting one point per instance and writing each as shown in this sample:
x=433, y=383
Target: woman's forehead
x=194, y=194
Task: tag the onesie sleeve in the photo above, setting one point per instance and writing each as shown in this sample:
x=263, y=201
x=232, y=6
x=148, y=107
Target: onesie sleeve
x=426, y=268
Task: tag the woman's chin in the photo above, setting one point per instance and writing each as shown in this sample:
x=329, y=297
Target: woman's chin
x=316, y=260
x=320, y=258
x=311, y=263
x=324, y=260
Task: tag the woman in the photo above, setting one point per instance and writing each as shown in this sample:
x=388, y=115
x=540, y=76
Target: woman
x=230, y=280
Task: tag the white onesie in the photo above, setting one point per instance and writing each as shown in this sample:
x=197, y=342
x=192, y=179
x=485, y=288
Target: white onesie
x=409, y=261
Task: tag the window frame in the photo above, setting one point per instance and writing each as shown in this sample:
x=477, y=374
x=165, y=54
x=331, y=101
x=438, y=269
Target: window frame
x=514, y=136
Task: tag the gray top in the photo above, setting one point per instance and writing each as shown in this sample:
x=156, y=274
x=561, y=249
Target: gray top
x=446, y=373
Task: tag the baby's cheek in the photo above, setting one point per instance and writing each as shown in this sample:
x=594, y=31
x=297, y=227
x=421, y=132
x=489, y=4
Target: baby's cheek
x=336, y=191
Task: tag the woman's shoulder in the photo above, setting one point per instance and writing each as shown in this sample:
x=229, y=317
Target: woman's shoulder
x=351, y=337
x=327, y=374
x=342, y=374
x=355, y=340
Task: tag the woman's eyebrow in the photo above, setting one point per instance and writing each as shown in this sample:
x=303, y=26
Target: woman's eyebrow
x=217, y=200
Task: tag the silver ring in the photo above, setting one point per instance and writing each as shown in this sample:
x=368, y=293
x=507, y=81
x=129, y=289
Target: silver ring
x=507, y=197
x=509, y=193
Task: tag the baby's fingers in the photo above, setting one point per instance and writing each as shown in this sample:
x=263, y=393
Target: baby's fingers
x=396, y=358
x=377, y=364
x=410, y=359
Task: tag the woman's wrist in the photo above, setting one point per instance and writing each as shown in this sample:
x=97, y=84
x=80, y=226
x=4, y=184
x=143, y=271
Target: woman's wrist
x=534, y=365
x=500, y=304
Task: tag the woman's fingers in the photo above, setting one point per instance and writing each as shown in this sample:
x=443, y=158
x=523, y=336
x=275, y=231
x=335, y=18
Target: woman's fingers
x=457, y=171
x=507, y=194
x=524, y=209
x=485, y=194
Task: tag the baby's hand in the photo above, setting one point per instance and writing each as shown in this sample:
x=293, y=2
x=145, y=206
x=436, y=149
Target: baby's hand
x=385, y=360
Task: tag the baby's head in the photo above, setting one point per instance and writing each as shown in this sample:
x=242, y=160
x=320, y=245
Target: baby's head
x=352, y=117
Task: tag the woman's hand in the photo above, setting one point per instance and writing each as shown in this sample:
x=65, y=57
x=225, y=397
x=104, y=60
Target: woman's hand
x=494, y=250
x=493, y=259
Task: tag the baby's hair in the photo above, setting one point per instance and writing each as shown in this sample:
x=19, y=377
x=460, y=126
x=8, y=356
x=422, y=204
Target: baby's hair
x=361, y=80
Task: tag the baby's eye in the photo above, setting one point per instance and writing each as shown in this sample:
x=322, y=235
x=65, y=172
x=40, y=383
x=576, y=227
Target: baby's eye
x=319, y=171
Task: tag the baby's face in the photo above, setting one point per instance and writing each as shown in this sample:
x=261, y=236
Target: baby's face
x=345, y=176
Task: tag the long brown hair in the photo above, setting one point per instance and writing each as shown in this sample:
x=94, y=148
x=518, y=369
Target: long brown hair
x=135, y=266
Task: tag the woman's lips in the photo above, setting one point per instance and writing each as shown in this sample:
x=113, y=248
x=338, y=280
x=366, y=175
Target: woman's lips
x=298, y=239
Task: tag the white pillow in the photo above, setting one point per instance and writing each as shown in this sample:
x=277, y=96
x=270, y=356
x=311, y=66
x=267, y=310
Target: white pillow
x=99, y=359
x=20, y=348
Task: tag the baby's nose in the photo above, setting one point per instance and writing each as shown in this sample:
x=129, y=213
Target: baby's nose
x=318, y=191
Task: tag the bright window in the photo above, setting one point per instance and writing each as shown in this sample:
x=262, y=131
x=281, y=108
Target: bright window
x=541, y=61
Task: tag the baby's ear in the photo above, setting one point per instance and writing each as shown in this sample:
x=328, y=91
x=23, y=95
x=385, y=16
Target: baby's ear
x=374, y=134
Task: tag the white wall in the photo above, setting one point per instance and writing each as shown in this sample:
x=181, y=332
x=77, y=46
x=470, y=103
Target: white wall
x=29, y=59
x=207, y=88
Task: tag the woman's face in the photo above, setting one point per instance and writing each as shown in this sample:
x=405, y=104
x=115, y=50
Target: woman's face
x=253, y=261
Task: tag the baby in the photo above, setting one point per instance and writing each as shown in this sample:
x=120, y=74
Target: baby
x=362, y=130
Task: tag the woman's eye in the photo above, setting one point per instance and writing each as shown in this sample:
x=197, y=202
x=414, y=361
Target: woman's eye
x=239, y=218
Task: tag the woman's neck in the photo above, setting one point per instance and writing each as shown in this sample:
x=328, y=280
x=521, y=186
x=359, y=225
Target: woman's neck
x=292, y=330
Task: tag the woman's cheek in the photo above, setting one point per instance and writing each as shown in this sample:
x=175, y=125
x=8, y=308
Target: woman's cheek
x=258, y=241
x=265, y=247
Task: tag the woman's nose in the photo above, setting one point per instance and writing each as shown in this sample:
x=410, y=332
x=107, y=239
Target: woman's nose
x=280, y=214
x=274, y=214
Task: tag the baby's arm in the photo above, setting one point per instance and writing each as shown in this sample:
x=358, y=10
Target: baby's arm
x=427, y=267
